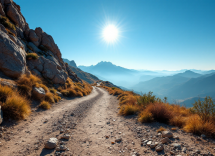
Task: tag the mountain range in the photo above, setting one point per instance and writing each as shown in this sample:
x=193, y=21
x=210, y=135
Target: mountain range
x=184, y=86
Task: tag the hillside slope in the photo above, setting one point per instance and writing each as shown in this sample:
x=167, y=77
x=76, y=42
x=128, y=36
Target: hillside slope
x=90, y=78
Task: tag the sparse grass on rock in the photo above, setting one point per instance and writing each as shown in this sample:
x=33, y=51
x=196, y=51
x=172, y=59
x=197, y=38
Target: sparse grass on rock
x=6, y=22
x=33, y=56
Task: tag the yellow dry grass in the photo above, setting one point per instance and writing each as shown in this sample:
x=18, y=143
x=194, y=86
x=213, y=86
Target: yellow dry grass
x=75, y=89
x=16, y=107
x=154, y=109
x=161, y=129
x=5, y=92
x=45, y=105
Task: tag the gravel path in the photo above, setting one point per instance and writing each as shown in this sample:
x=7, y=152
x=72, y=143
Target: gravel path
x=96, y=130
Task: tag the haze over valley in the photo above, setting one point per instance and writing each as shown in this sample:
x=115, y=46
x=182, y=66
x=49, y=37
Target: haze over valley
x=183, y=86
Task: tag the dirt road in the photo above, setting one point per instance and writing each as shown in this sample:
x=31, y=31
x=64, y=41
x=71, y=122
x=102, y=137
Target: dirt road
x=93, y=124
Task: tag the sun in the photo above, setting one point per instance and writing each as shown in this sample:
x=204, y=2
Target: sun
x=110, y=33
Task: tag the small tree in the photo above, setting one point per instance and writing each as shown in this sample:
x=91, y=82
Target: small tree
x=205, y=109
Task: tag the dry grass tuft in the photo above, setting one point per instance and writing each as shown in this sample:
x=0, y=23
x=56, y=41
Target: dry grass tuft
x=49, y=97
x=145, y=117
x=160, y=112
x=161, y=129
x=178, y=121
x=6, y=22
x=73, y=89
x=26, y=82
x=45, y=105
x=33, y=56
x=5, y=92
x=128, y=110
x=16, y=107
x=57, y=98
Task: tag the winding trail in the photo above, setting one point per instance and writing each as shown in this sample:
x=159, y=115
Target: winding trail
x=93, y=123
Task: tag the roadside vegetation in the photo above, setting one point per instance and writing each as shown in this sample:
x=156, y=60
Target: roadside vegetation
x=200, y=119
x=16, y=102
x=75, y=89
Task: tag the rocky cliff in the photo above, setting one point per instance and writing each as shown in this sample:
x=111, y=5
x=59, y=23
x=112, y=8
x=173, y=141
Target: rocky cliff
x=17, y=41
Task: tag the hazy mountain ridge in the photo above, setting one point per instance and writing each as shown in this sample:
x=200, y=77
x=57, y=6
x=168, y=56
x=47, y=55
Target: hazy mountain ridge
x=176, y=85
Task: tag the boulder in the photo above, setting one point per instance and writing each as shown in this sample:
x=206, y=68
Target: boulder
x=12, y=57
x=48, y=70
x=2, y=10
x=51, y=143
x=33, y=37
x=1, y=115
x=14, y=15
x=38, y=93
x=167, y=134
x=48, y=42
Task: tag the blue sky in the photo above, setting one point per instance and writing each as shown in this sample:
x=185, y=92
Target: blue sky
x=154, y=34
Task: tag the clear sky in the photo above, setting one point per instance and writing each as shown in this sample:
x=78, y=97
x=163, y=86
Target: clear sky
x=153, y=34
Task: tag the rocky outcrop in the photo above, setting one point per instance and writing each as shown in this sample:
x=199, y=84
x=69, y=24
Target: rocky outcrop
x=72, y=75
x=33, y=37
x=12, y=57
x=49, y=69
x=18, y=40
x=15, y=16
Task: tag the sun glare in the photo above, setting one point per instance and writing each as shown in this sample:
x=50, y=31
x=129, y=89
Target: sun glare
x=110, y=33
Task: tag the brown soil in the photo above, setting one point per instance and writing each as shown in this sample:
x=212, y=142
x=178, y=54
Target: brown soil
x=93, y=123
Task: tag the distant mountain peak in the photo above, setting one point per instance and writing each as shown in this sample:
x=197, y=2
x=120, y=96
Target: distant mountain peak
x=105, y=62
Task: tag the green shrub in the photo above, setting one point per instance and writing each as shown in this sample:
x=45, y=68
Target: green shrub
x=33, y=56
x=146, y=99
x=6, y=22
x=205, y=109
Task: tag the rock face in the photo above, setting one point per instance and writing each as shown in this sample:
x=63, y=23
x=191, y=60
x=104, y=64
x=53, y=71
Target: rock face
x=2, y=10
x=51, y=143
x=48, y=69
x=72, y=75
x=12, y=57
x=15, y=16
x=38, y=93
x=14, y=49
x=1, y=116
